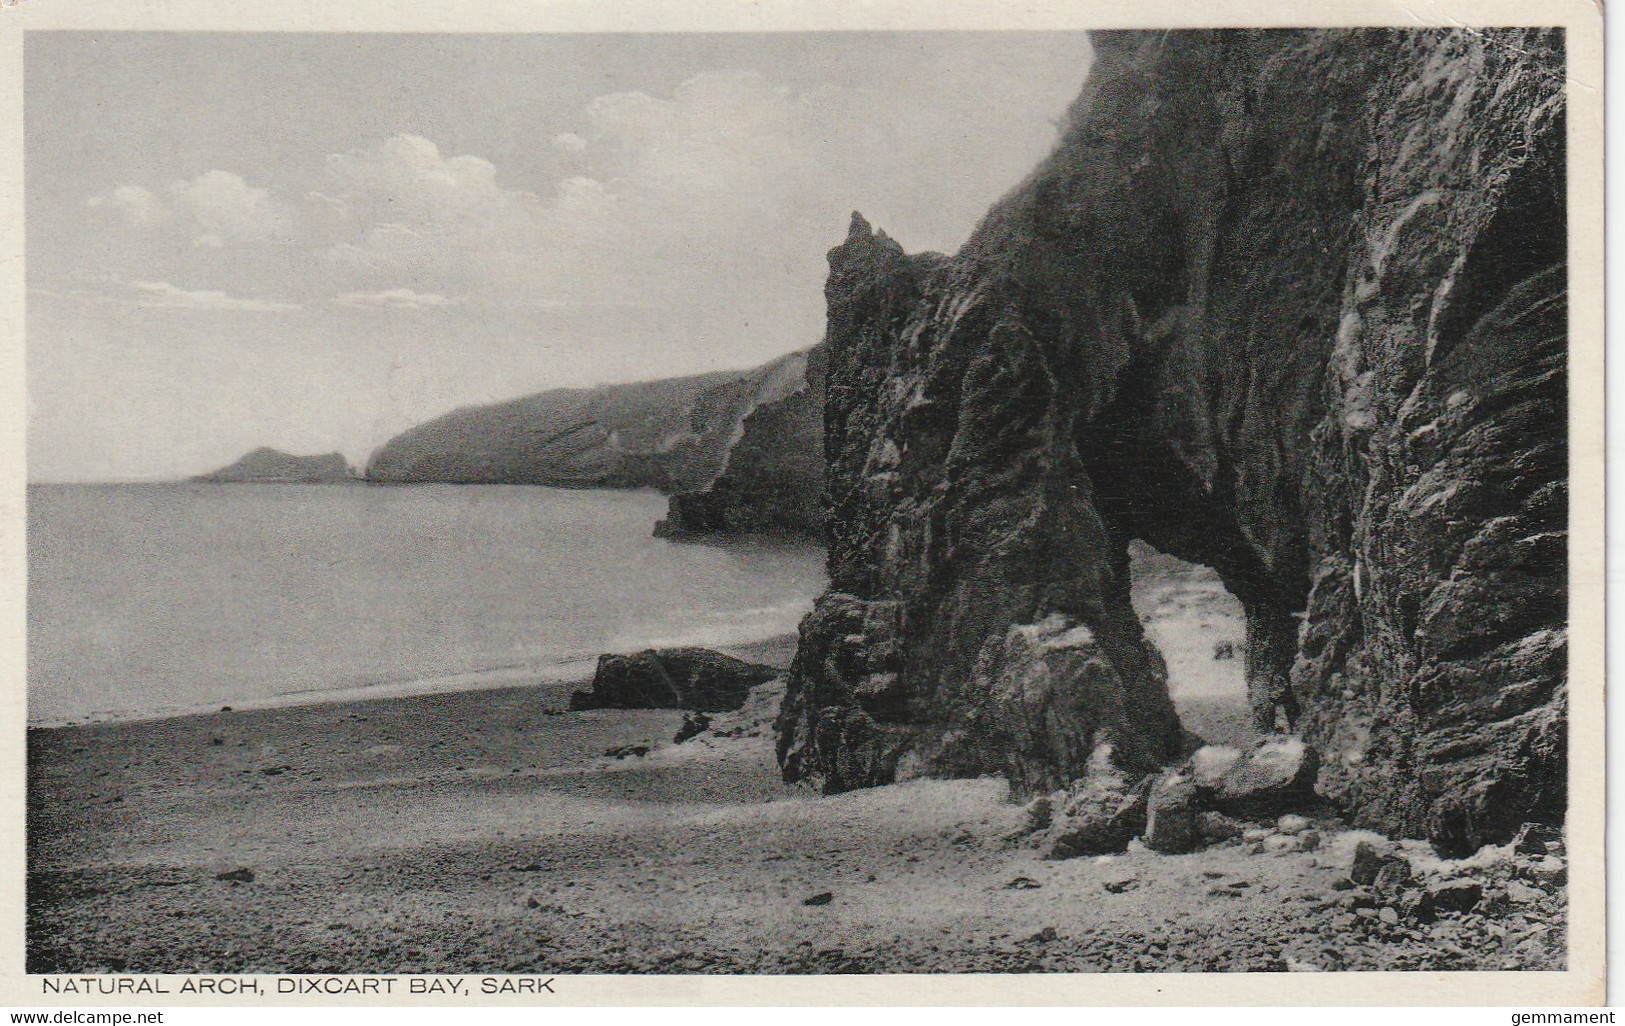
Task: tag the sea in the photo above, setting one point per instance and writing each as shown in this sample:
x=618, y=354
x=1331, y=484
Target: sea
x=149, y=600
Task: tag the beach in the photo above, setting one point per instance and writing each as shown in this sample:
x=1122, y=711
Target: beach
x=487, y=831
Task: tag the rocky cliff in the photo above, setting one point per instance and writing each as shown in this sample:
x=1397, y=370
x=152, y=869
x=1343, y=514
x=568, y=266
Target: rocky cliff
x=1289, y=304
x=674, y=434
x=773, y=479
x=270, y=466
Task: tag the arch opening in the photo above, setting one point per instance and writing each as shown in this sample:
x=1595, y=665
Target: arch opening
x=1200, y=629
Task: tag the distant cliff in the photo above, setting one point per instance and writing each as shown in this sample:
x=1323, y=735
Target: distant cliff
x=774, y=476
x=1290, y=304
x=267, y=466
x=674, y=434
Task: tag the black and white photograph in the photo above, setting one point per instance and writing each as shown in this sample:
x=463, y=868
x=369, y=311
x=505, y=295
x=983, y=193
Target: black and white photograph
x=511, y=506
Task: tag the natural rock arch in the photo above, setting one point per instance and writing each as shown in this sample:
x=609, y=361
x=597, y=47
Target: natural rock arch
x=1314, y=341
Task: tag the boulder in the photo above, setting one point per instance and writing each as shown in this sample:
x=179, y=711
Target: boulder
x=697, y=679
x=1100, y=814
x=1277, y=775
x=1211, y=762
x=1054, y=692
x=1100, y=828
x=1170, y=817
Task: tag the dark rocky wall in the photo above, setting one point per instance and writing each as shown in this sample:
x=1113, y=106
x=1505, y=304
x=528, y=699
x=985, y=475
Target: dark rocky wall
x=774, y=477
x=1290, y=304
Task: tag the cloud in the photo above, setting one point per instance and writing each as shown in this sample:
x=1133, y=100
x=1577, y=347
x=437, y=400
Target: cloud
x=138, y=207
x=215, y=208
x=701, y=214
x=162, y=295
x=680, y=199
x=225, y=208
x=393, y=299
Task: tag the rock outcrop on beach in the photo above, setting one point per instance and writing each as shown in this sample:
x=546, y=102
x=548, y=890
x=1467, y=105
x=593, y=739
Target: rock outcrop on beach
x=696, y=679
x=773, y=479
x=1288, y=304
x=675, y=435
x=270, y=466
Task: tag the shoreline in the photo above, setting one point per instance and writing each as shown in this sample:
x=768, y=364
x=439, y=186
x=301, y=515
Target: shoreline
x=776, y=650
x=493, y=831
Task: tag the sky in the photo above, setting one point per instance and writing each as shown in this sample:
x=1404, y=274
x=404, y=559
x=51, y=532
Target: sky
x=313, y=242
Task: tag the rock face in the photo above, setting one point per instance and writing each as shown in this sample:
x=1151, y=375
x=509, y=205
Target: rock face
x=697, y=679
x=774, y=477
x=675, y=435
x=1314, y=338
x=270, y=466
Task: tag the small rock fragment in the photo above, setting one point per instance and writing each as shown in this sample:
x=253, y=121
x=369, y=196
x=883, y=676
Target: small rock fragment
x=243, y=875
x=821, y=898
x=1291, y=823
x=694, y=724
x=1216, y=826
x=1520, y=893
x=1254, y=835
x=1022, y=883
x=1392, y=875
x=1547, y=871
x=1537, y=839
x=1040, y=811
x=1459, y=895
x=1367, y=860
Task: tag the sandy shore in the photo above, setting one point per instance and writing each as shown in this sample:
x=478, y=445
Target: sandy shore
x=487, y=831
